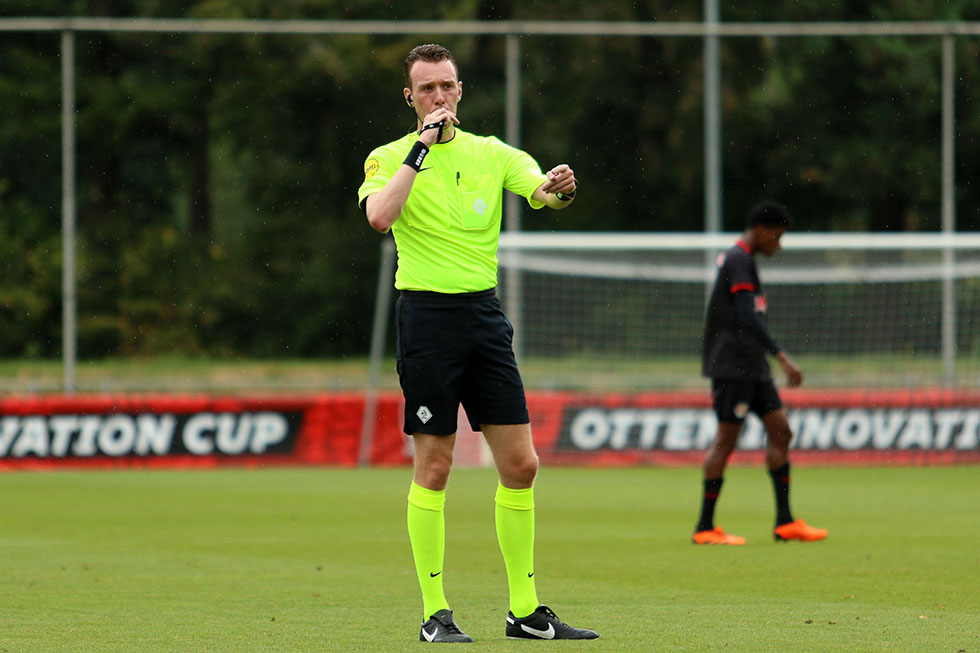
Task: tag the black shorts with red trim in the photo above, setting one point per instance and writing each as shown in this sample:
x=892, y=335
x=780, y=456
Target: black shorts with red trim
x=733, y=399
x=457, y=349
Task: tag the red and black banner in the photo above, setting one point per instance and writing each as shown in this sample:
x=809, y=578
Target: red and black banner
x=199, y=431
x=829, y=427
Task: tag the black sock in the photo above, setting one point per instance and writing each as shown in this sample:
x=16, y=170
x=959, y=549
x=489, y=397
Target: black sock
x=712, y=488
x=780, y=484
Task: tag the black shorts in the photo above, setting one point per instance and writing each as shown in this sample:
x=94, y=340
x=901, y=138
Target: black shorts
x=734, y=399
x=452, y=350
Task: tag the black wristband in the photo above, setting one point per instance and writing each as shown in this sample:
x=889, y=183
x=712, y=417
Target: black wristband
x=566, y=197
x=416, y=156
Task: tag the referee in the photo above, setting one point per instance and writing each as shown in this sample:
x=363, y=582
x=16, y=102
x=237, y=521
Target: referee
x=736, y=341
x=439, y=190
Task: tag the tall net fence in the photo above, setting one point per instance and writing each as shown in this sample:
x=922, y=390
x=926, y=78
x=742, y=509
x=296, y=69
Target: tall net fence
x=626, y=311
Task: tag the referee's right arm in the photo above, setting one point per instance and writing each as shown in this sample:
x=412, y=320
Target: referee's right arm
x=384, y=207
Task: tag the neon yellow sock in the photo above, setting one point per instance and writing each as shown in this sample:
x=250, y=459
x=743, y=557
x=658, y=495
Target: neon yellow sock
x=514, y=514
x=427, y=532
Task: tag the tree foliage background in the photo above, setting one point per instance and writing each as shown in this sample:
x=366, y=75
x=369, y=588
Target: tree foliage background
x=217, y=174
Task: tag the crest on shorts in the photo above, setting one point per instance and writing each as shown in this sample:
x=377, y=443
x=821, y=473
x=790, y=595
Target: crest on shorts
x=741, y=409
x=423, y=414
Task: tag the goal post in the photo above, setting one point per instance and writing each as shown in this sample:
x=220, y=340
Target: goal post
x=624, y=311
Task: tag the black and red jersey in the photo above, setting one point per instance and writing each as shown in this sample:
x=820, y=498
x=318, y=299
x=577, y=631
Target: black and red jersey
x=736, y=337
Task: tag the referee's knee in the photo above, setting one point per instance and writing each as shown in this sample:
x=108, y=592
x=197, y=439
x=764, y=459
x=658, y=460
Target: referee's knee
x=520, y=472
x=433, y=473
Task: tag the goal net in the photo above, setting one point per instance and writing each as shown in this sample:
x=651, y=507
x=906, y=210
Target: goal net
x=625, y=311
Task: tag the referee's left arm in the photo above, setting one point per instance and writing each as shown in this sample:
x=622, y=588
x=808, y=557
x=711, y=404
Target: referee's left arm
x=559, y=191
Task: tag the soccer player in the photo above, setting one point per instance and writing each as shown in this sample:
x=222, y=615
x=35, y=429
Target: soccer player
x=439, y=190
x=736, y=340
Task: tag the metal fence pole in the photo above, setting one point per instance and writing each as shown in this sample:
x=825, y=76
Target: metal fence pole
x=949, y=211
x=711, y=133
x=512, y=205
x=68, y=209
x=712, y=119
x=386, y=270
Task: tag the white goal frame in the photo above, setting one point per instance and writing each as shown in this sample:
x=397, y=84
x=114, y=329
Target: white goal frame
x=513, y=243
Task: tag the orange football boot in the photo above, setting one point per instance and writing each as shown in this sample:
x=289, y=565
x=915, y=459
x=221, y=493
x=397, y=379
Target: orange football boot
x=717, y=536
x=798, y=530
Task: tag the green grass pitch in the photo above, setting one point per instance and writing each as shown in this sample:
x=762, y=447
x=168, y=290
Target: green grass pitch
x=318, y=560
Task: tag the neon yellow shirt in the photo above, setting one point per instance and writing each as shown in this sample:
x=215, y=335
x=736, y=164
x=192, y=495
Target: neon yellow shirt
x=448, y=233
